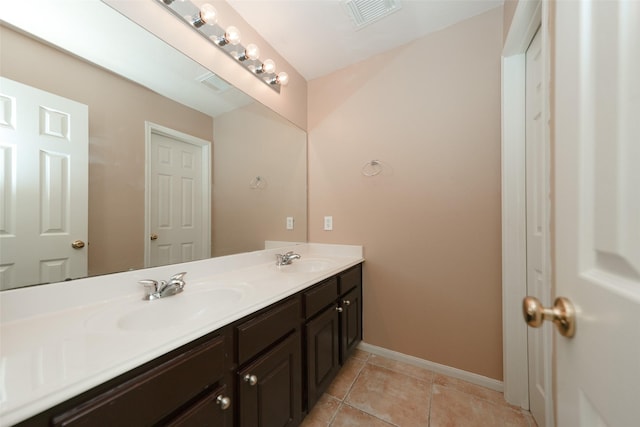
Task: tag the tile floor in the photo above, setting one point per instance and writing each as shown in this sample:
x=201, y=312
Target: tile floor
x=373, y=391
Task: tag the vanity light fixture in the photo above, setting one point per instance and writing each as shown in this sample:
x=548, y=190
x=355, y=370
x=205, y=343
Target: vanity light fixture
x=204, y=20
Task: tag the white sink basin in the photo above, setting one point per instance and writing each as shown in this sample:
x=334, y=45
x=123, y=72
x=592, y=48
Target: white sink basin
x=166, y=312
x=309, y=265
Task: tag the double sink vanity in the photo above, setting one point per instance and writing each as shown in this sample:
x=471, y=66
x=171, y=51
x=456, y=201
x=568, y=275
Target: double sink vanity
x=245, y=343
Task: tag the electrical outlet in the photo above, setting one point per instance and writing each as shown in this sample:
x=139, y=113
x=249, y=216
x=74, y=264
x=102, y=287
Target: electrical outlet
x=289, y=223
x=328, y=223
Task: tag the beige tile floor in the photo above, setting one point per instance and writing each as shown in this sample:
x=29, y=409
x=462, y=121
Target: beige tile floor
x=374, y=391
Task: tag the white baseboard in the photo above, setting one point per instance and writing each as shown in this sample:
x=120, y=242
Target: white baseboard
x=480, y=380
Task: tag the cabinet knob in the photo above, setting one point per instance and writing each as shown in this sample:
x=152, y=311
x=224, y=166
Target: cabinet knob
x=339, y=309
x=223, y=401
x=251, y=379
x=346, y=302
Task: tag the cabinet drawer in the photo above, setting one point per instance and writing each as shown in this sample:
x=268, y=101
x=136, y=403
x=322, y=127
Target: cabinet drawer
x=319, y=297
x=260, y=332
x=152, y=396
x=350, y=279
x=206, y=412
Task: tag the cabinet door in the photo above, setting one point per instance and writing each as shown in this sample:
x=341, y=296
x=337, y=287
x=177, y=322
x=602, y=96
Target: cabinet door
x=350, y=323
x=322, y=353
x=270, y=388
x=213, y=410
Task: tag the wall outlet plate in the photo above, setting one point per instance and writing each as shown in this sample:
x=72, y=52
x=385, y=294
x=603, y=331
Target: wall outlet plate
x=328, y=223
x=289, y=223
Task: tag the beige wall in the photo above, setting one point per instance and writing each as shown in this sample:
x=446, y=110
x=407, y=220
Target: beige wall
x=275, y=150
x=290, y=102
x=509, y=11
x=430, y=223
x=118, y=109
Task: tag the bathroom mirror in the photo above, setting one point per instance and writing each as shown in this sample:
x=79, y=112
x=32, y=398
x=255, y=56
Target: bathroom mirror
x=130, y=80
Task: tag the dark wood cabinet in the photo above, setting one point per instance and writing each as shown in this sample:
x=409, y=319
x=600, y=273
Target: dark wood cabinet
x=269, y=388
x=269, y=377
x=214, y=409
x=265, y=370
x=333, y=329
x=322, y=351
x=157, y=394
x=351, y=322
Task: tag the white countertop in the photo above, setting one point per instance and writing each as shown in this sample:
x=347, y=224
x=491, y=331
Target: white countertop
x=61, y=339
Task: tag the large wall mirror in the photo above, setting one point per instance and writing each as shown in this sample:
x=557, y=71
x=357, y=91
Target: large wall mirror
x=142, y=98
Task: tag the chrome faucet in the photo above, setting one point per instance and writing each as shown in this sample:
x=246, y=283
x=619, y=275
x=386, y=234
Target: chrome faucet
x=286, y=259
x=155, y=290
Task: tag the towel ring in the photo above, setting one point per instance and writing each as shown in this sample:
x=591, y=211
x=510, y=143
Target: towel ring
x=257, y=183
x=372, y=168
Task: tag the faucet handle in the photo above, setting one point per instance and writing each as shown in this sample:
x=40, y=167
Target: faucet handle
x=178, y=277
x=150, y=286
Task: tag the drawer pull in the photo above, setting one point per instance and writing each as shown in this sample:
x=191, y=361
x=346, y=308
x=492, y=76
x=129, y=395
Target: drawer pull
x=346, y=302
x=339, y=309
x=251, y=379
x=223, y=401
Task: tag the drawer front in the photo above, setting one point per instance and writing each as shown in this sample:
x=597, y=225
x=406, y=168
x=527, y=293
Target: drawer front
x=153, y=395
x=319, y=297
x=350, y=279
x=207, y=411
x=260, y=332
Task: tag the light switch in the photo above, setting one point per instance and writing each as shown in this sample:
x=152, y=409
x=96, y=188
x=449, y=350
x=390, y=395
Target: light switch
x=328, y=223
x=289, y=223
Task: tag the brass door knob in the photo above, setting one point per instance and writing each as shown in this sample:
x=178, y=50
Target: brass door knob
x=154, y=236
x=77, y=244
x=562, y=314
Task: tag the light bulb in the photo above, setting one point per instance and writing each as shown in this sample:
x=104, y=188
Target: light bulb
x=207, y=15
x=250, y=52
x=268, y=66
x=282, y=78
x=232, y=35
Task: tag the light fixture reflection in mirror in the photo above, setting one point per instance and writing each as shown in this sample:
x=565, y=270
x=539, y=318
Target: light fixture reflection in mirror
x=242, y=219
x=230, y=37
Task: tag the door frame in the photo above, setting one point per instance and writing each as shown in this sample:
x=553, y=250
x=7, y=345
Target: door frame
x=528, y=17
x=149, y=129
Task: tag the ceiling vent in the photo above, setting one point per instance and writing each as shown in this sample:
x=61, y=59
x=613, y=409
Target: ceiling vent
x=214, y=82
x=365, y=12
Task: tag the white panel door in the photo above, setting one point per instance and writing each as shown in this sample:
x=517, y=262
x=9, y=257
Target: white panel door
x=538, y=274
x=44, y=147
x=597, y=208
x=178, y=208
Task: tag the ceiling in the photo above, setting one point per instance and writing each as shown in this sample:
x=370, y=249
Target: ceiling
x=317, y=37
